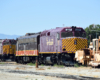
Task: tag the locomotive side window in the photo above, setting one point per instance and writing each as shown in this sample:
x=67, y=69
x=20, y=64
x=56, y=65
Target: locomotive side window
x=66, y=34
x=58, y=36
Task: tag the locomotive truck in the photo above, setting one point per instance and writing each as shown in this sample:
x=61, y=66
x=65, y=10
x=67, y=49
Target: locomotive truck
x=51, y=46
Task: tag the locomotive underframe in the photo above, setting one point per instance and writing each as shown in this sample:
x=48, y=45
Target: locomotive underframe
x=25, y=59
x=59, y=58
x=5, y=57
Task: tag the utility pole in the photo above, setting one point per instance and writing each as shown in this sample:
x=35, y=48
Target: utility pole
x=36, y=62
x=95, y=30
x=90, y=38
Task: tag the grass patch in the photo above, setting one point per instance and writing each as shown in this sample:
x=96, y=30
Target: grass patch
x=48, y=68
x=42, y=64
x=76, y=65
x=79, y=65
x=2, y=63
x=83, y=66
x=31, y=64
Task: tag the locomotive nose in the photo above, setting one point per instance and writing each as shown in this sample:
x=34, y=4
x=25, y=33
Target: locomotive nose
x=70, y=45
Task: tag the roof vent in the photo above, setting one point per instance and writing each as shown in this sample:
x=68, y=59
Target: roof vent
x=73, y=26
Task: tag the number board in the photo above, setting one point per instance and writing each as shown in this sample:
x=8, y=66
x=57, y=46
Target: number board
x=68, y=29
x=77, y=29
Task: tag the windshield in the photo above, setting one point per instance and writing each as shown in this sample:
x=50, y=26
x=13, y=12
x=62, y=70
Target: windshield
x=66, y=34
x=80, y=34
x=13, y=42
x=6, y=43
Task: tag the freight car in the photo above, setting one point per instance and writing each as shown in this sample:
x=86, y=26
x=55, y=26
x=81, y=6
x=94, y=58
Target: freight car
x=7, y=49
x=51, y=46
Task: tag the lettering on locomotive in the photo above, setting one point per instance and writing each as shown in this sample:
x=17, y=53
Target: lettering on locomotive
x=49, y=42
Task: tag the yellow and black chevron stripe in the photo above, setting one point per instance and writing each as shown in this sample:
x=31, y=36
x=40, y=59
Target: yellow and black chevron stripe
x=69, y=45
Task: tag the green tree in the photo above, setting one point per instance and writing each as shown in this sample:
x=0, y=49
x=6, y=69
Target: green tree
x=91, y=30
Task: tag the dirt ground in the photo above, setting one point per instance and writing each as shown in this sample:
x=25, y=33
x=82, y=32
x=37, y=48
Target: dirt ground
x=15, y=71
x=7, y=76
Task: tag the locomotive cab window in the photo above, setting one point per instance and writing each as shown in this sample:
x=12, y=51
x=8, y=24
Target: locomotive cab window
x=80, y=34
x=66, y=34
x=58, y=36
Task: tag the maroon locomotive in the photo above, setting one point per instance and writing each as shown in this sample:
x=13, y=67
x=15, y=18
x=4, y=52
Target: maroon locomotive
x=54, y=46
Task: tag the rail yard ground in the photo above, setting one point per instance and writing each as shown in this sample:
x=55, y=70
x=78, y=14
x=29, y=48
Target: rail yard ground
x=14, y=71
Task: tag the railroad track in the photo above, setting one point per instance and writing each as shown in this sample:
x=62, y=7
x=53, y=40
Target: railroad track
x=59, y=75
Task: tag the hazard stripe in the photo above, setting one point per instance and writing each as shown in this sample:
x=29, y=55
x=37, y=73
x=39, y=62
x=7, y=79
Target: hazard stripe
x=70, y=47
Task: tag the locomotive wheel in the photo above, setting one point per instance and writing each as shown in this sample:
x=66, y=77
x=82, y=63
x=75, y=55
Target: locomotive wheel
x=0, y=60
x=17, y=61
x=44, y=60
x=20, y=61
x=33, y=61
x=39, y=61
x=58, y=62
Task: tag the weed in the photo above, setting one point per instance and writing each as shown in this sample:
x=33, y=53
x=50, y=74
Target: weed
x=58, y=65
x=42, y=64
x=48, y=68
x=31, y=64
x=76, y=65
x=2, y=63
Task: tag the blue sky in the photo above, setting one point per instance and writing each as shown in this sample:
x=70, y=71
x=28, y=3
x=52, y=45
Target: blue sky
x=18, y=17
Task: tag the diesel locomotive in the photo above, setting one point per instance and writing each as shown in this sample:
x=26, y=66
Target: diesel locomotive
x=7, y=49
x=27, y=48
x=51, y=46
